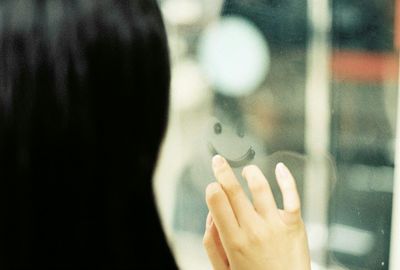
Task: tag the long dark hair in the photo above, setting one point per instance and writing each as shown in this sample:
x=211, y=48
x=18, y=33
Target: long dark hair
x=84, y=87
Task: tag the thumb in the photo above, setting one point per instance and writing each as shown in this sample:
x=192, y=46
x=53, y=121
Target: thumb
x=213, y=246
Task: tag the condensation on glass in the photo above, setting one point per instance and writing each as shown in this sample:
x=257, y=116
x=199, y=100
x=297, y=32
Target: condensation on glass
x=312, y=83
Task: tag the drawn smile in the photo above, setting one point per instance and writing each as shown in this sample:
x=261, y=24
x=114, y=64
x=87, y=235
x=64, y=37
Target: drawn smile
x=243, y=160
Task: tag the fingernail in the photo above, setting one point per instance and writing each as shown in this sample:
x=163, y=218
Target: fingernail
x=282, y=170
x=247, y=171
x=218, y=161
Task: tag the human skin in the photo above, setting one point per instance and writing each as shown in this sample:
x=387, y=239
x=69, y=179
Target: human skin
x=256, y=235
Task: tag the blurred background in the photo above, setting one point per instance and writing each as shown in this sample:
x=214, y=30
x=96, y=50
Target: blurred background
x=312, y=83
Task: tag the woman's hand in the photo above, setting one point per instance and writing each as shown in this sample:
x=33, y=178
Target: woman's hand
x=254, y=235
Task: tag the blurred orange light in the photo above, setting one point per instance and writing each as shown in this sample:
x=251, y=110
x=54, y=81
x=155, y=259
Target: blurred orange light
x=365, y=67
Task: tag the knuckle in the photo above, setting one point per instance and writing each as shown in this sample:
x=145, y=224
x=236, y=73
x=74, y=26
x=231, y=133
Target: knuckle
x=213, y=192
x=258, y=186
x=237, y=245
x=256, y=237
x=296, y=212
x=213, y=197
x=233, y=188
x=222, y=170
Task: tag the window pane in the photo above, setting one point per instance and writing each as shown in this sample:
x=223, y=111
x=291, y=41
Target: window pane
x=312, y=84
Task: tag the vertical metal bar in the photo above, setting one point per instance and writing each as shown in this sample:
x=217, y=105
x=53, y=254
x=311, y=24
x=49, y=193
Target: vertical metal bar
x=317, y=133
x=394, y=260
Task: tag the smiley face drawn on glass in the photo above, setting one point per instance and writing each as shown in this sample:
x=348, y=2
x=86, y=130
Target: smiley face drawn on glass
x=230, y=143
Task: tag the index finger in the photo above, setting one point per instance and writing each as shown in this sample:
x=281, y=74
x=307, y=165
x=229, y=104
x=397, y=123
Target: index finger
x=241, y=205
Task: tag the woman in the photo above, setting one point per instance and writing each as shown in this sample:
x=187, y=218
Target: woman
x=84, y=88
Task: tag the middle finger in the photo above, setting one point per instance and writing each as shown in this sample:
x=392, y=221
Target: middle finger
x=241, y=205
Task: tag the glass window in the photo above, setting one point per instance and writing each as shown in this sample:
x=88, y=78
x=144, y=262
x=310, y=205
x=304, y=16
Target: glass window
x=311, y=83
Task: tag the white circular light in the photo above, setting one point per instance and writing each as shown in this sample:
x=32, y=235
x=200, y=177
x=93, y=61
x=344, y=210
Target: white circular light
x=234, y=55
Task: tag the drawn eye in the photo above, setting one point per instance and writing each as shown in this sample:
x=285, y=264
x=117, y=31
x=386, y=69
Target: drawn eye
x=240, y=132
x=217, y=128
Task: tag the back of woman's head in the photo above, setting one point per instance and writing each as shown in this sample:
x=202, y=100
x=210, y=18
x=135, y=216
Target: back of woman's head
x=83, y=105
